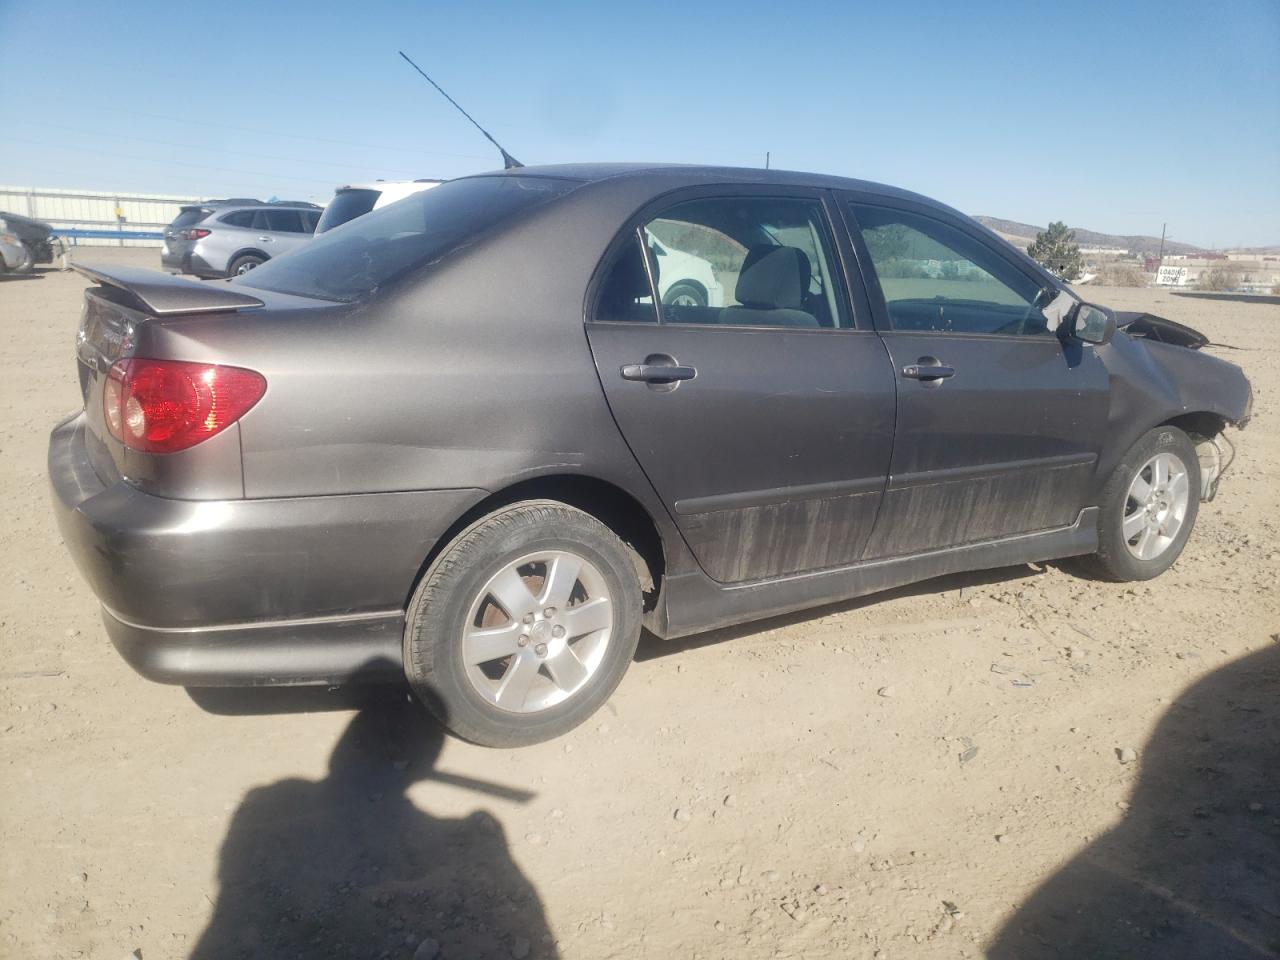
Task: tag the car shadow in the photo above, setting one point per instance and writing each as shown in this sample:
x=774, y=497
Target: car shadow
x=265, y=701
x=1193, y=870
x=652, y=647
x=348, y=866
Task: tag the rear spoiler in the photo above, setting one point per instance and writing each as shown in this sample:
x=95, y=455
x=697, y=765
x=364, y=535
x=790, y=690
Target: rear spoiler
x=165, y=295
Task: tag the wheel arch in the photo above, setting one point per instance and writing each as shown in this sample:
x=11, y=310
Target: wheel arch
x=1204, y=423
x=609, y=503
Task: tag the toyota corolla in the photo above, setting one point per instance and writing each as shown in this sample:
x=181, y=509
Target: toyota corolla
x=466, y=440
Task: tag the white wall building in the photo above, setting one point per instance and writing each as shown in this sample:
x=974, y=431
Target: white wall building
x=96, y=217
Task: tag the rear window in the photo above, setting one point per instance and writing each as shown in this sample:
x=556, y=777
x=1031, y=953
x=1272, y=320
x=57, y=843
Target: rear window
x=189, y=216
x=347, y=205
x=371, y=251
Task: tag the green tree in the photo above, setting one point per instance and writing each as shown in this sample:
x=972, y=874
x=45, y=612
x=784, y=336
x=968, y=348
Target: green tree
x=1056, y=249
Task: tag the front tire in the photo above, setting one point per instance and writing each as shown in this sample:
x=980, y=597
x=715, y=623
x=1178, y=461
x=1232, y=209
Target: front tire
x=1149, y=507
x=524, y=625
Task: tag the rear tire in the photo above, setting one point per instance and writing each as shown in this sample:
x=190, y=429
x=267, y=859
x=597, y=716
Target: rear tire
x=685, y=293
x=524, y=625
x=1149, y=507
x=242, y=265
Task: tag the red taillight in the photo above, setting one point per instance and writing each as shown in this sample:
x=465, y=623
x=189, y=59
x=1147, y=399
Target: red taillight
x=197, y=233
x=162, y=406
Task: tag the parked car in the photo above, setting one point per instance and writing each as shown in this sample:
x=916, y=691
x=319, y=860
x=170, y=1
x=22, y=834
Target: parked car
x=463, y=440
x=25, y=242
x=357, y=199
x=225, y=238
x=15, y=258
x=685, y=279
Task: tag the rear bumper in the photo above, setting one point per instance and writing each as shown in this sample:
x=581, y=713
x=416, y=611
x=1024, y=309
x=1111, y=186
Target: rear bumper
x=247, y=592
x=192, y=263
x=361, y=647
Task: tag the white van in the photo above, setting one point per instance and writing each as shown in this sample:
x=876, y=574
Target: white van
x=357, y=199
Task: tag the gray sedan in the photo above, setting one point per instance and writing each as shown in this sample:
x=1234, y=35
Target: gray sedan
x=463, y=439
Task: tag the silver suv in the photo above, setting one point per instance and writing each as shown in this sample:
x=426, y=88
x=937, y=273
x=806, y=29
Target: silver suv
x=223, y=238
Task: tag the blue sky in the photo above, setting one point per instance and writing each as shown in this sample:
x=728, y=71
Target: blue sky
x=1112, y=116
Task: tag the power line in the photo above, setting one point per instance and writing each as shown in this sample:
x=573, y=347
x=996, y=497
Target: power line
x=219, y=149
x=201, y=122
x=182, y=163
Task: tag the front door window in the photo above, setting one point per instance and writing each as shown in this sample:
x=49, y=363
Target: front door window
x=937, y=278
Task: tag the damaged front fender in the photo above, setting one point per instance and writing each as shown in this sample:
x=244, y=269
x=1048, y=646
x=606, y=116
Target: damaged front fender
x=1160, y=375
x=1148, y=326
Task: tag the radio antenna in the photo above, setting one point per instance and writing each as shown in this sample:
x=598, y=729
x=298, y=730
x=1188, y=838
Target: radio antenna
x=508, y=161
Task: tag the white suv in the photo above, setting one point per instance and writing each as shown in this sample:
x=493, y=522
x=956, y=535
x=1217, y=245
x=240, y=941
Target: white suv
x=357, y=199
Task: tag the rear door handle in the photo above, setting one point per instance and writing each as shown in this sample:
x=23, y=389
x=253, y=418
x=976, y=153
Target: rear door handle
x=265, y=239
x=928, y=369
x=657, y=372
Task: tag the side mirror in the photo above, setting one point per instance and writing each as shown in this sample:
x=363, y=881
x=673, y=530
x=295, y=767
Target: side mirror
x=1092, y=324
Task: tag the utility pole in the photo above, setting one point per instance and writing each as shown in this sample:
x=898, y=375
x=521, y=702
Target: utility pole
x=766, y=159
x=1163, y=227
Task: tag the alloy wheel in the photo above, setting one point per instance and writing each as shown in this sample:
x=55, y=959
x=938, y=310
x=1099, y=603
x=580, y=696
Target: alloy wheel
x=537, y=631
x=1156, y=506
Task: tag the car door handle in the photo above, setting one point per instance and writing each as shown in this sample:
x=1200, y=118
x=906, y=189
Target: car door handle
x=657, y=372
x=265, y=239
x=928, y=369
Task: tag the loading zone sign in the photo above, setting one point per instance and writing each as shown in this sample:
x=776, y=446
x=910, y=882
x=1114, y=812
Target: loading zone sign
x=1171, y=277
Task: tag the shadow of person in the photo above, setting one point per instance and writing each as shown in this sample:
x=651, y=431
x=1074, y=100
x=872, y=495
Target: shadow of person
x=348, y=867
x=1193, y=871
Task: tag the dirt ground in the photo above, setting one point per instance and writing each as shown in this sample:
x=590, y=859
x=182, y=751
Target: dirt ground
x=931, y=773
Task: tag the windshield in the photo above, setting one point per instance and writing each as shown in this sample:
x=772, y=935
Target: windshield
x=354, y=260
x=347, y=205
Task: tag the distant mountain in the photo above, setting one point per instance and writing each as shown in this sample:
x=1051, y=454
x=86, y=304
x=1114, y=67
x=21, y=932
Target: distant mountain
x=1023, y=233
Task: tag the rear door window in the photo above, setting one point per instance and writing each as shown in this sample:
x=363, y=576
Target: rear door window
x=625, y=294
x=379, y=248
x=745, y=261
x=284, y=221
x=241, y=218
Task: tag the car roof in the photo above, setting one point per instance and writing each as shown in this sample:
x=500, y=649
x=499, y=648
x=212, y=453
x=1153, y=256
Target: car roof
x=681, y=174
x=659, y=178
x=222, y=205
x=383, y=184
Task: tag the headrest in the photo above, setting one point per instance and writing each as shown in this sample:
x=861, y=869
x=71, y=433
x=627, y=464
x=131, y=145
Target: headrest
x=773, y=277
